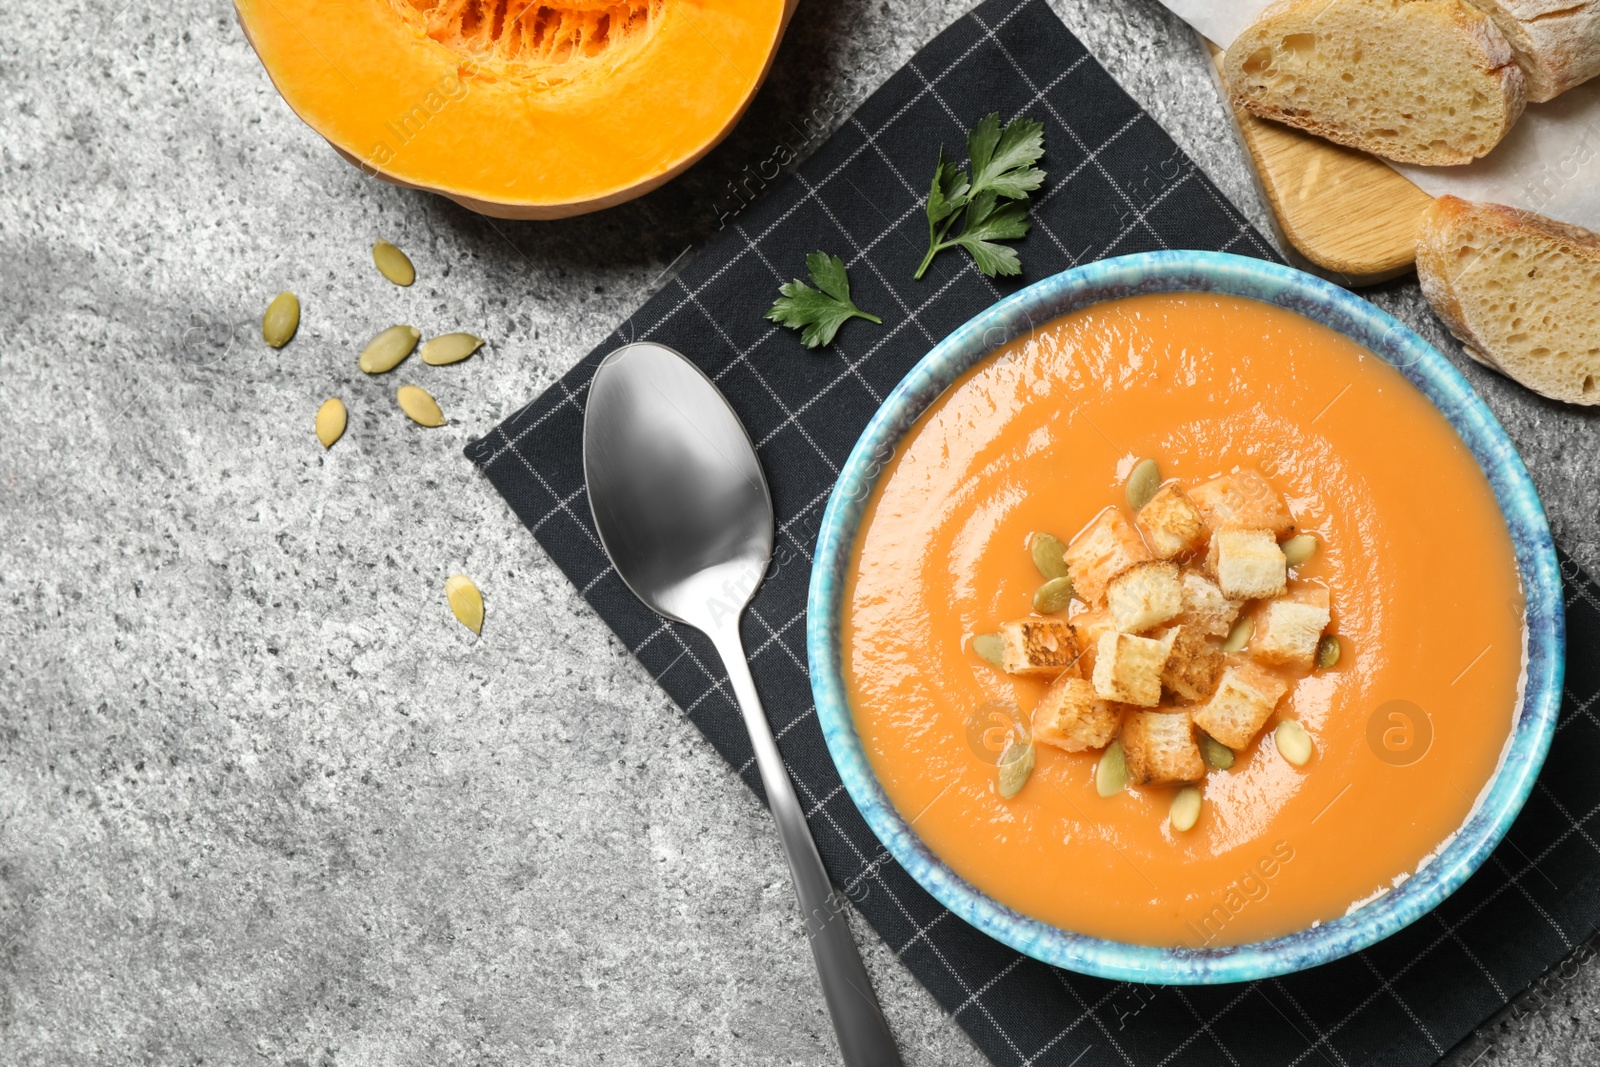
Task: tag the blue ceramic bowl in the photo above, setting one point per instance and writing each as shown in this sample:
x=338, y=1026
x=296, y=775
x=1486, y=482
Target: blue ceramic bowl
x=1157, y=272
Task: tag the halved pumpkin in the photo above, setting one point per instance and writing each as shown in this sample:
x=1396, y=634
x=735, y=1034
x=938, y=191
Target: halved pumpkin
x=514, y=108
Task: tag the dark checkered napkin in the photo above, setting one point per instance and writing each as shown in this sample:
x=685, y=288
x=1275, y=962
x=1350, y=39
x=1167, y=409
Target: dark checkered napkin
x=1117, y=184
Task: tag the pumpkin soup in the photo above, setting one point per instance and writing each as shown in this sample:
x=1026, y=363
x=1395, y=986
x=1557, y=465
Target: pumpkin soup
x=1183, y=621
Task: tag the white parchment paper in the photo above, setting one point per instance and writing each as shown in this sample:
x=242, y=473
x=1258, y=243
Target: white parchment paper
x=1547, y=163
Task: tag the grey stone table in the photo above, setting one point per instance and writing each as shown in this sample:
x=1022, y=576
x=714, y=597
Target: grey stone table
x=262, y=800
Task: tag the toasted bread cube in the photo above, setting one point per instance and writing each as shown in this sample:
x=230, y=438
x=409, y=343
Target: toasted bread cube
x=1243, y=500
x=1243, y=701
x=1144, y=596
x=1107, y=546
x=1159, y=746
x=1128, y=668
x=1247, y=564
x=1204, y=607
x=1289, y=627
x=1038, y=646
x=1071, y=716
x=1193, y=665
x=1087, y=626
x=1172, y=525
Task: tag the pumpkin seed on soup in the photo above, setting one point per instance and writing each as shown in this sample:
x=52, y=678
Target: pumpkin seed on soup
x=1143, y=481
x=1328, y=650
x=1294, y=744
x=1111, y=773
x=386, y=351
x=331, y=421
x=1299, y=548
x=1053, y=596
x=419, y=405
x=1215, y=753
x=1047, y=551
x=1185, y=811
x=991, y=648
x=1239, y=636
x=393, y=263
x=281, y=320
x=450, y=348
x=466, y=603
x=1016, y=764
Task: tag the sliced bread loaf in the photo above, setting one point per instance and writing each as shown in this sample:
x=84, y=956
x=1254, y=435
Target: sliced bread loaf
x=1418, y=81
x=1556, y=42
x=1521, y=291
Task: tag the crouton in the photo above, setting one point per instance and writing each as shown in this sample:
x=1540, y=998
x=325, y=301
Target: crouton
x=1204, y=607
x=1071, y=716
x=1107, y=546
x=1247, y=564
x=1087, y=626
x=1172, y=525
x=1128, y=668
x=1193, y=665
x=1243, y=500
x=1289, y=627
x=1159, y=746
x=1038, y=646
x=1144, y=596
x=1244, y=700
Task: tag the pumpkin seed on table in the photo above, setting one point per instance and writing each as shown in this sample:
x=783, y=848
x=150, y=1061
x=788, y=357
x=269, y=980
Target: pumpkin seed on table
x=991, y=648
x=1299, y=548
x=1215, y=753
x=1016, y=764
x=1047, y=551
x=466, y=603
x=393, y=263
x=420, y=405
x=450, y=348
x=1294, y=744
x=1143, y=481
x=1328, y=650
x=331, y=421
x=1111, y=773
x=1053, y=596
x=281, y=320
x=389, y=349
x=1185, y=811
x=1239, y=636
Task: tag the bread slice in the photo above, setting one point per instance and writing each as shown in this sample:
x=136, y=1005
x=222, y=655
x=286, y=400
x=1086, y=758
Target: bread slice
x=1555, y=42
x=1521, y=291
x=1418, y=81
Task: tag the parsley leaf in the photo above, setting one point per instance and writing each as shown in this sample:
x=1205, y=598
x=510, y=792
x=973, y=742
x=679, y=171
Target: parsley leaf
x=1002, y=163
x=818, y=315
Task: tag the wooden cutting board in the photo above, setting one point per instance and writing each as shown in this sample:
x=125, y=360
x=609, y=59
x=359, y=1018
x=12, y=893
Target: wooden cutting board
x=1351, y=216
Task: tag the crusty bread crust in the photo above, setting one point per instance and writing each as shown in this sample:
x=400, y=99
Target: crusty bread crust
x=1448, y=288
x=1503, y=84
x=1556, y=42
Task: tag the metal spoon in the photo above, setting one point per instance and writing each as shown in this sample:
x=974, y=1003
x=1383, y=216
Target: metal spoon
x=683, y=511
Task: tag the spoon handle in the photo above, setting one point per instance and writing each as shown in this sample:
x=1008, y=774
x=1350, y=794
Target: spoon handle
x=863, y=1032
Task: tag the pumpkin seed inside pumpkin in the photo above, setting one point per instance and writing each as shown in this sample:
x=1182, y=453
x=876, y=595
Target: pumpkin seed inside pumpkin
x=393, y=263
x=1047, y=551
x=281, y=320
x=420, y=405
x=1185, y=811
x=450, y=348
x=1143, y=481
x=465, y=602
x=991, y=648
x=1053, y=596
x=386, y=351
x=1111, y=773
x=331, y=421
x=1016, y=764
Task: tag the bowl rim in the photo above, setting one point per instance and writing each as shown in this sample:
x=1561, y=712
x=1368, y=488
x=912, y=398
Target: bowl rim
x=1197, y=271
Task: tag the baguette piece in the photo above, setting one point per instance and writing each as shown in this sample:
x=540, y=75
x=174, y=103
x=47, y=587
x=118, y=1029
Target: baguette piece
x=1556, y=42
x=1418, y=81
x=1521, y=292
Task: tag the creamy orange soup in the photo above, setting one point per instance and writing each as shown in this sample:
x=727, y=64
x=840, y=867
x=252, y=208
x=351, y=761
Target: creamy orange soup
x=1426, y=601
